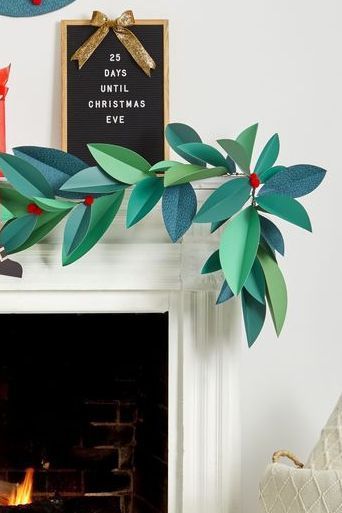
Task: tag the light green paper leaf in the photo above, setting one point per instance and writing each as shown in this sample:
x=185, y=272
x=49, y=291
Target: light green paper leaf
x=254, y=314
x=103, y=212
x=45, y=224
x=13, y=201
x=238, y=247
x=25, y=178
x=286, y=208
x=247, y=140
x=276, y=289
x=144, y=197
x=53, y=205
x=228, y=199
x=163, y=165
x=213, y=263
x=236, y=152
x=76, y=229
x=268, y=156
x=123, y=164
x=255, y=283
x=184, y=173
x=266, y=175
x=5, y=215
x=92, y=180
x=204, y=152
x=17, y=231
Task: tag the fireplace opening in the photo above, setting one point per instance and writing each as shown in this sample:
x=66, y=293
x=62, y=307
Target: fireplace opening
x=84, y=402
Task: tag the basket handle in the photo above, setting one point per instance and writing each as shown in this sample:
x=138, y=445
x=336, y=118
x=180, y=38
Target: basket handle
x=287, y=454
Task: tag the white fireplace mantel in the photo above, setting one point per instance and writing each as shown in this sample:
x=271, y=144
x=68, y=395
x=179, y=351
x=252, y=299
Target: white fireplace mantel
x=140, y=270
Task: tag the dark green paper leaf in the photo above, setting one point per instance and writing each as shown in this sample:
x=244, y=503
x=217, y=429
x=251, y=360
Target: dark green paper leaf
x=225, y=294
x=14, y=202
x=24, y=177
x=268, y=156
x=92, y=180
x=179, y=206
x=286, y=208
x=76, y=229
x=294, y=181
x=179, y=133
x=184, y=173
x=17, y=231
x=236, y=152
x=247, y=140
x=45, y=224
x=144, y=197
x=272, y=235
x=207, y=154
x=254, y=314
x=213, y=263
x=238, y=247
x=255, y=283
x=123, y=164
x=216, y=225
x=228, y=199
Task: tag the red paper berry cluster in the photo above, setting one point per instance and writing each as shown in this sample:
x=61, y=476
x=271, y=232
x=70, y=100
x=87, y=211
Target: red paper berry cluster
x=254, y=180
x=36, y=2
x=32, y=208
x=88, y=201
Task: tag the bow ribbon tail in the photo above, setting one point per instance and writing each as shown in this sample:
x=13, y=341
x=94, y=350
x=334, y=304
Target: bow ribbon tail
x=135, y=48
x=88, y=48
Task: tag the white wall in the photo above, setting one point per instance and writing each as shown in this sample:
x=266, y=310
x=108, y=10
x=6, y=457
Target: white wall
x=234, y=63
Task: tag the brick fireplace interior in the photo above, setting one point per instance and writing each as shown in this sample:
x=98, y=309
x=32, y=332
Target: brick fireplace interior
x=84, y=400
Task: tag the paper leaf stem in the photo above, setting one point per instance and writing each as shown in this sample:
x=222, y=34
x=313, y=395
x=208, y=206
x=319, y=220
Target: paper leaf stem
x=179, y=206
x=286, y=208
x=144, y=197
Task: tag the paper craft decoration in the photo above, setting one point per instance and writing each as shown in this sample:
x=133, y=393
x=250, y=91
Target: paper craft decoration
x=20, y=8
x=115, y=85
x=4, y=74
x=48, y=185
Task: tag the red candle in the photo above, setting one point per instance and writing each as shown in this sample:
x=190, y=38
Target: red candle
x=4, y=73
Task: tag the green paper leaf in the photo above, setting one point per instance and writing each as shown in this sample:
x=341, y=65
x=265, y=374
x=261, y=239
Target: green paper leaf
x=45, y=224
x=103, y=212
x=207, y=154
x=238, y=247
x=236, y=152
x=268, y=156
x=163, y=165
x=5, y=215
x=144, y=197
x=76, y=229
x=255, y=283
x=269, y=173
x=53, y=205
x=13, y=201
x=123, y=164
x=16, y=232
x=276, y=289
x=286, y=208
x=264, y=244
x=184, y=173
x=228, y=199
x=217, y=224
x=247, y=139
x=24, y=177
x=213, y=263
x=254, y=314
x=92, y=180
x=272, y=235
x=225, y=294
x=179, y=133
x=294, y=181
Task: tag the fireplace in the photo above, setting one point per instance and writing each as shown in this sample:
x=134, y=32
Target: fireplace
x=88, y=412
x=141, y=272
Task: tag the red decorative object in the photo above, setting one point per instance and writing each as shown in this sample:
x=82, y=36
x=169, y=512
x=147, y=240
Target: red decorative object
x=88, y=200
x=36, y=2
x=32, y=208
x=4, y=74
x=254, y=180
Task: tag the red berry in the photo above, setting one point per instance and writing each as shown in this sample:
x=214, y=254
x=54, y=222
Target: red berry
x=36, y=2
x=254, y=180
x=88, y=200
x=32, y=208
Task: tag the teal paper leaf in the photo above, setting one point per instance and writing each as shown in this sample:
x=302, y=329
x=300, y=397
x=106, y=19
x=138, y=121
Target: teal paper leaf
x=177, y=134
x=213, y=263
x=268, y=156
x=92, y=180
x=225, y=294
x=236, y=152
x=238, y=247
x=53, y=205
x=162, y=166
x=286, y=208
x=216, y=225
x=295, y=181
x=184, y=173
x=76, y=229
x=103, y=212
x=269, y=173
x=254, y=314
x=272, y=235
x=45, y=224
x=25, y=178
x=13, y=201
x=144, y=197
x=55, y=165
x=207, y=154
x=123, y=164
x=230, y=165
x=228, y=199
x=255, y=283
x=16, y=232
x=247, y=139
x=179, y=206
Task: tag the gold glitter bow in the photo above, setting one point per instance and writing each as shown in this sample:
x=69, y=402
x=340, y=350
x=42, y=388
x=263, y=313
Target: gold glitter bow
x=127, y=38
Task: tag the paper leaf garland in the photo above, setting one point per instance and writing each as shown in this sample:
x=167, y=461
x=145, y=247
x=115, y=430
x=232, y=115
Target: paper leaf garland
x=121, y=163
x=144, y=197
x=179, y=206
x=46, y=185
x=238, y=247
